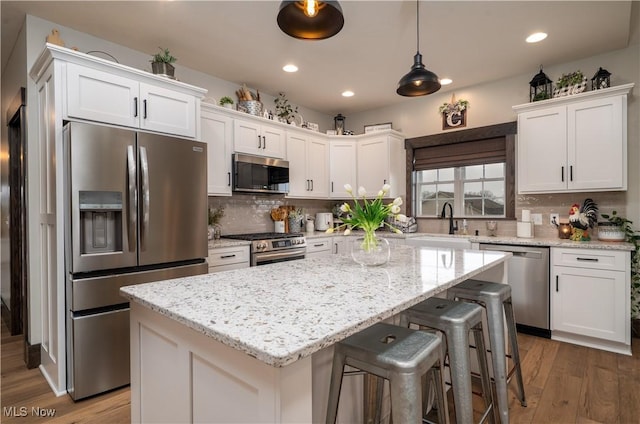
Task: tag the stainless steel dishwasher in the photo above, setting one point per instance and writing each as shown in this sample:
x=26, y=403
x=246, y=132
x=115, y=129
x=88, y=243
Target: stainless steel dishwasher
x=529, y=281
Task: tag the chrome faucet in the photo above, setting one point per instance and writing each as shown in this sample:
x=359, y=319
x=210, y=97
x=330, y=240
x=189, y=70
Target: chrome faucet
x=452, y=227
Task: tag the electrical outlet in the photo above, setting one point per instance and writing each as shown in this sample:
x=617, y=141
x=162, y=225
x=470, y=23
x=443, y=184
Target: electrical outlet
x=554, y=218
x=536, y=218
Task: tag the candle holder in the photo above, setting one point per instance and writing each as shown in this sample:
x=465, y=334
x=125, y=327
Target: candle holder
x=564, y=231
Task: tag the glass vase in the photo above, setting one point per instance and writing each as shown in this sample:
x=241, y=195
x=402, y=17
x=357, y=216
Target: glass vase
x=370, y=250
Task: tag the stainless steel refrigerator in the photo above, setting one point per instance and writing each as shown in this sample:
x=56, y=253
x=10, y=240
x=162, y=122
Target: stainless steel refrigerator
x=136, y=211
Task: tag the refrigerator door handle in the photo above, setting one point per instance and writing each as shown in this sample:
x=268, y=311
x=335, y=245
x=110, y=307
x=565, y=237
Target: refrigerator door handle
x=144, y=172
x=133, y=215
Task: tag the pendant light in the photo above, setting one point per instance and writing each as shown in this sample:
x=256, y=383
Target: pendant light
x=419, y=81
x=310, y=19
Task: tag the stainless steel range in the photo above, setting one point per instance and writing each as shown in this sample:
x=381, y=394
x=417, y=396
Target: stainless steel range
x=268, y=248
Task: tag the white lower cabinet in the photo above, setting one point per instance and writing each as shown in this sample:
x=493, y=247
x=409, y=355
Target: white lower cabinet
x=226, y=258
x=590, y=298
x=317, y=247
x=340, y=245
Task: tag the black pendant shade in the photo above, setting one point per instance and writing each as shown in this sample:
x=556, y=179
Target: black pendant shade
x=293, y=21
x=419, y=81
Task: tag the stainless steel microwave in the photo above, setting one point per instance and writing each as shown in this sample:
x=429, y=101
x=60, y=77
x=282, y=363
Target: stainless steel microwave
x=258, y=174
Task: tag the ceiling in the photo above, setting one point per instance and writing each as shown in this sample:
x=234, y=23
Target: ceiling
x=470, y=42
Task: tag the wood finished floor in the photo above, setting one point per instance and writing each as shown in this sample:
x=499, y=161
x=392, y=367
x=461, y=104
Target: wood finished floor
x=564, y=383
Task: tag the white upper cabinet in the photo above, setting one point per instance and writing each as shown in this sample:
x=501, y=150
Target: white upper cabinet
x=260, y=139
x=101, y=96
x=308, y=158
x=574, y=144
x=217, y=132
x=106, y=95
x=164, y=110
x=342, y=167
x=381, y=160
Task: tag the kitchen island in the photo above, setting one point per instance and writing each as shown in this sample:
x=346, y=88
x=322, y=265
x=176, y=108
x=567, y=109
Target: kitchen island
x=255, y=345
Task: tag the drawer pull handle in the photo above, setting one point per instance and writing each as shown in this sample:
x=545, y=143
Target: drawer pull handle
x=227, y=256
x=556, y=283
x=318, y=245
x=587, y=259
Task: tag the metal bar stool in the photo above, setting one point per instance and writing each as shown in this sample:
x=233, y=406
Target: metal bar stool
x=455, y=320
x=496, y=298
x=401, y=356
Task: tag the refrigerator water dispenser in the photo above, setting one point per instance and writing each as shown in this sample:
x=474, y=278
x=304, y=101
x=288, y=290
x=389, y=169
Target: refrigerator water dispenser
x=100, y=222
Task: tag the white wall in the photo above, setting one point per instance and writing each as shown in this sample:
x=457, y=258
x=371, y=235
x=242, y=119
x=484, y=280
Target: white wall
x=491, y=103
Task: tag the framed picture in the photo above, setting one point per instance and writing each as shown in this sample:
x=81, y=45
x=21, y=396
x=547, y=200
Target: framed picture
x=377, y=127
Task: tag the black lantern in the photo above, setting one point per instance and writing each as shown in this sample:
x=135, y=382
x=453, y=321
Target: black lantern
x=540, y=87
x=602, y=79
x=339, y=122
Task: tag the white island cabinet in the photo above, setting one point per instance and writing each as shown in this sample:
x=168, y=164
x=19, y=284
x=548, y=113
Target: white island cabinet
x=255, y=345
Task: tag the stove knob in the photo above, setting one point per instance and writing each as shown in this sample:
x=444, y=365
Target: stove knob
x=261, y=245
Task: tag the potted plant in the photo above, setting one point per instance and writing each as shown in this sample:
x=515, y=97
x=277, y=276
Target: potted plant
x=284, y=110
x=572, y=83
x=161, y=63
x=215, y=230
x=227, y=102
x=630, y=237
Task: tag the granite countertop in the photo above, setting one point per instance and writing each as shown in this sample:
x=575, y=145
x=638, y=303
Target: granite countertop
x=285, y=311
x=536, y=241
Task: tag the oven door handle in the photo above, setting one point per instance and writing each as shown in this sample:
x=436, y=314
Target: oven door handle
x=269, y=256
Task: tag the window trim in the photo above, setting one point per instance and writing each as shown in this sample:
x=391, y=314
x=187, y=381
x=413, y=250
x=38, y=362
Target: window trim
x=506, y=130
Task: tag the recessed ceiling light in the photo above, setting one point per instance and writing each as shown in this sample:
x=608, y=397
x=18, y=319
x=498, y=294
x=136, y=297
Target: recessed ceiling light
x=347, y=93
x=445, y=81
x=536, y=36
x=290, y=68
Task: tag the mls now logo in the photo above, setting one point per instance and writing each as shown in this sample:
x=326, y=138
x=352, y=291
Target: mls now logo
x=23, y=411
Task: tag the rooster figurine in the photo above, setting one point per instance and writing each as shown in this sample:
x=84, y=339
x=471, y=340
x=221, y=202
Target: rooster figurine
x=582, y=218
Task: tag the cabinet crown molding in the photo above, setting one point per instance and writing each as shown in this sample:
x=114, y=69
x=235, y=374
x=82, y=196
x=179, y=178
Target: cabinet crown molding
x=624, y=89
x=52, y=51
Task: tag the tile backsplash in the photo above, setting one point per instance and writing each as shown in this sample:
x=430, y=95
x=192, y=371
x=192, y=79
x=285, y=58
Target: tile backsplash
x=249, y=213
x=543, y=204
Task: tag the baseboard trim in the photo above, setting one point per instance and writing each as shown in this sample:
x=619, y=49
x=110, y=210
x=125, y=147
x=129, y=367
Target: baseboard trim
x=32, y=355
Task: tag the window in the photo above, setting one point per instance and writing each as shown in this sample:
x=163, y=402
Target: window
x=473, y=169
x=473, y=191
